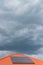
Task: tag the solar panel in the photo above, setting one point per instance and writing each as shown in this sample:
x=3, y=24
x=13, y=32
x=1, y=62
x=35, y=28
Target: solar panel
x=21, y=60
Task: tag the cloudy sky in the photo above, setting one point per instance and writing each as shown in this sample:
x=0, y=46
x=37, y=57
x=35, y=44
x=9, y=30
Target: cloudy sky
x=21, y=27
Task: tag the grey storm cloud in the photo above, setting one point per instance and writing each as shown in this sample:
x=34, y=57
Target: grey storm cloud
x=21, y=26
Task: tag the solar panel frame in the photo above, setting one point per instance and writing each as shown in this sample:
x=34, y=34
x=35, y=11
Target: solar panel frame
x=21, y=60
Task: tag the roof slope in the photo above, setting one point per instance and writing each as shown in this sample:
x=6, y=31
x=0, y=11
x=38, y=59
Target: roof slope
x=8, y=61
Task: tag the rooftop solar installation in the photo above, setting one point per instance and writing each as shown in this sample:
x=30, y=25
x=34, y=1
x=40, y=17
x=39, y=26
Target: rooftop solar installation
x=21, y=60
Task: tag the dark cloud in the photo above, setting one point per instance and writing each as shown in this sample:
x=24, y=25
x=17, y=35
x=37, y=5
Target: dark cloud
x=21, y=25
x=22, y=46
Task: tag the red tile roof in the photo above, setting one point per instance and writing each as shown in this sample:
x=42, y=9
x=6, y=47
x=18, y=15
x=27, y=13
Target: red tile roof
x=7, y=60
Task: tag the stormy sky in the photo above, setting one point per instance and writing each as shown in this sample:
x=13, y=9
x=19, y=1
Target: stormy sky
x=21, y=27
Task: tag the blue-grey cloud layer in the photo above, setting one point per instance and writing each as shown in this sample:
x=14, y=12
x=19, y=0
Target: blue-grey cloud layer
x=21, y=26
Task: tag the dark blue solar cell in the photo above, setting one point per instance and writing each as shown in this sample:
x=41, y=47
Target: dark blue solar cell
x=21, y=60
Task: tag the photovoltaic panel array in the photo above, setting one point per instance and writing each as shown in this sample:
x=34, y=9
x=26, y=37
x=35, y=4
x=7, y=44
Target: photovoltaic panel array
x=21, y=60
